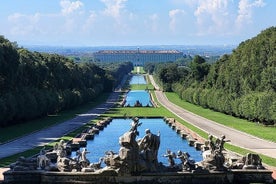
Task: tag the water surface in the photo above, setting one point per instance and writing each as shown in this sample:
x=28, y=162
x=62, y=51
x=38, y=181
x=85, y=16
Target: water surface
x=141, y=95
x=138, y=79
x=108, y=139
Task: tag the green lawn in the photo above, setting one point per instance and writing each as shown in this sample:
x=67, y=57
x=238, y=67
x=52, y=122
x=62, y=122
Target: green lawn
x=141, y=86
x=138, y=111
x=135, y=70
x=258, y=130
x=12, y=132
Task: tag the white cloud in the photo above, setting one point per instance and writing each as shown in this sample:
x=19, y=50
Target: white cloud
x=245, y=11
x=153, y=22
x=212, y=16
x=116, y=10
x=176, y=17
x=114, y=7
x=23, y=24
x=69, y=7
x=51, y=26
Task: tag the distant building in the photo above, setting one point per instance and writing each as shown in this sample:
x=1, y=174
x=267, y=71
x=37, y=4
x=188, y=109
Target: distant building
x=137, y=57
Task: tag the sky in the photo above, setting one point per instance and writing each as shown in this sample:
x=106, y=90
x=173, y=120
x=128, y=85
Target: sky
x=134, y=22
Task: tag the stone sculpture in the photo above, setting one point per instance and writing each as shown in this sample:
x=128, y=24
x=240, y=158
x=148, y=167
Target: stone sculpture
x=171, y=156
x=186, y=163
x=149, y=145
x=213, y=159
x=83, y=160
x=134, y=125
x=42, y=160
x=248, y=161
x=138, y=104
x=134, y=156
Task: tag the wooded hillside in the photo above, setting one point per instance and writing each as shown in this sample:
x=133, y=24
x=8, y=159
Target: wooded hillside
x=242, y=84
x=34, y=84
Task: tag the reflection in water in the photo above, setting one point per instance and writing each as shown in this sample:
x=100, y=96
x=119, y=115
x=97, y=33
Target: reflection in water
x=108, y=139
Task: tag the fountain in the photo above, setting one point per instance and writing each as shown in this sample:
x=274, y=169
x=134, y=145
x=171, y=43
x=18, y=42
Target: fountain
x=137, y=162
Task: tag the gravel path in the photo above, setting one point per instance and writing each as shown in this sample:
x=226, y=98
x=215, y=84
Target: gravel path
x=237, y=138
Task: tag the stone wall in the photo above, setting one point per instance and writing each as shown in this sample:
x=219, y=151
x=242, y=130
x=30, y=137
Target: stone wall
x=234, y=176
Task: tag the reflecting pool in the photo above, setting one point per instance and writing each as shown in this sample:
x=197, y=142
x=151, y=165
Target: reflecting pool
x=138, y=79
x=108, y=139
x=141, y=95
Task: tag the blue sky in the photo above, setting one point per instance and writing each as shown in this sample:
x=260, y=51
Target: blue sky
x=134, y=22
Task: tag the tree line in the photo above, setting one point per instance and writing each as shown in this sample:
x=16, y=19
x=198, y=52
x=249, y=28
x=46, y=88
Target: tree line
x=34, y=84
x=242, y=84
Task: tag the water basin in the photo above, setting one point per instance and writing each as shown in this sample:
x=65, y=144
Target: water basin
x=141, y=95
x=108, y=139
x=138, y=79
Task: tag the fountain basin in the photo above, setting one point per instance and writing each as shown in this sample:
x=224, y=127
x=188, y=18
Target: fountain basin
x=141, y=96
x=138, y=79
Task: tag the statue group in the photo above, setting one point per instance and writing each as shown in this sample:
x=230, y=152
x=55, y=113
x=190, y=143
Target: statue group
x=136, y=156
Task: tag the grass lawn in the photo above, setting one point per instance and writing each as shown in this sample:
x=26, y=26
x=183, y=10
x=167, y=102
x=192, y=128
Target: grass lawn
x=258, y=130
x=141, y=86
x=12, y=132
x=141, y=70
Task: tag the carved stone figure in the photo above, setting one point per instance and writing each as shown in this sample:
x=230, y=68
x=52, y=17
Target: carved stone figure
x=214, y=159
x=149, y=145
x=129, y=152
x=97, y=165
x=211, y=143
x=134, y=156
x=252, y=161
x=134, y=125
x=220, y=143
x=138, y=104
x=83, y=160
x=171, y=156
x=42, y=160
x=186, y=163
